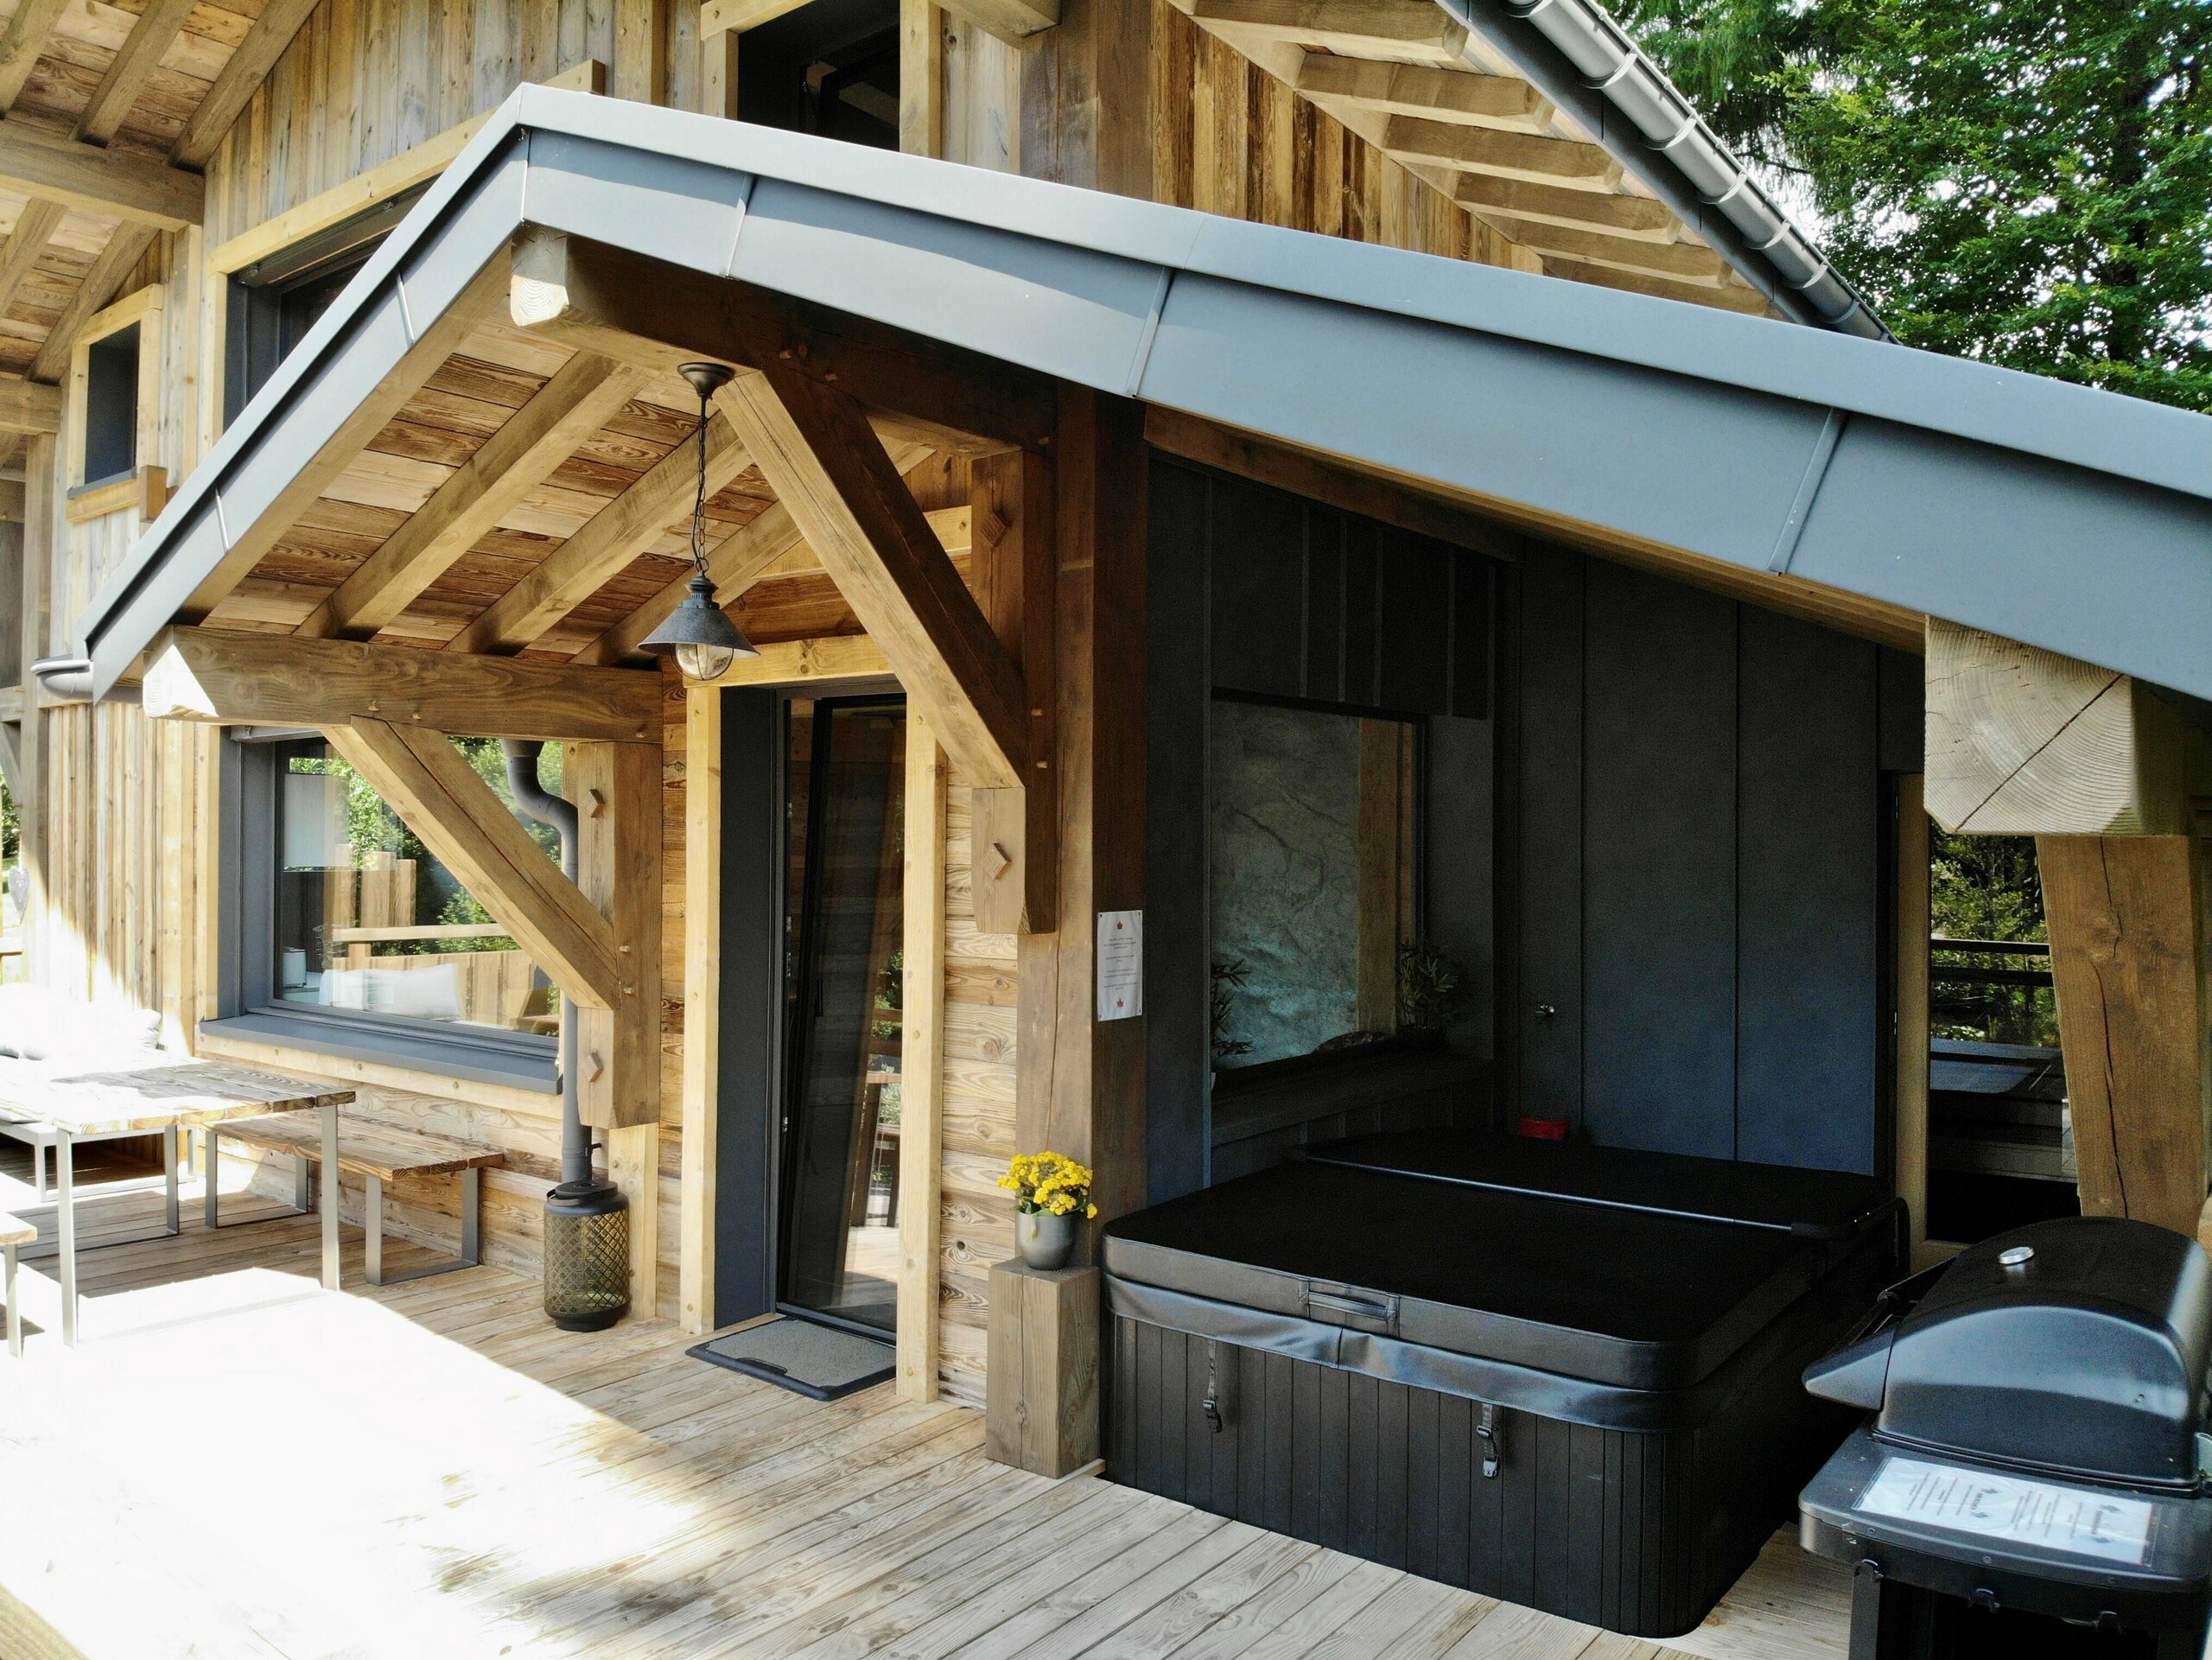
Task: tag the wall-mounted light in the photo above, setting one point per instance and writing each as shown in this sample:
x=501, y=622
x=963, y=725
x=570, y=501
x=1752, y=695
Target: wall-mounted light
x=705, y=641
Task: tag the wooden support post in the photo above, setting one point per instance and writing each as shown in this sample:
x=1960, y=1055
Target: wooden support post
x=2128, y=928
x=703, y=998
x=921, y=78
x=1043, y=1414
x=1911, y=981
x=616, y=790
x=1014, y=853
x=921, y=1066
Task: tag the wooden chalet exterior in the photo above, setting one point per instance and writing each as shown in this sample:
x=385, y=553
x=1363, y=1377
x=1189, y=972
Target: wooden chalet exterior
x=499, y=518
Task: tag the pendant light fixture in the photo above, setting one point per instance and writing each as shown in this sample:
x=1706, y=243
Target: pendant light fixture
x=705, y=641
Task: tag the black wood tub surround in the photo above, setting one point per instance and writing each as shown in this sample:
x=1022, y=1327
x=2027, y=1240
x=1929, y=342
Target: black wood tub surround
x=1564, y=1375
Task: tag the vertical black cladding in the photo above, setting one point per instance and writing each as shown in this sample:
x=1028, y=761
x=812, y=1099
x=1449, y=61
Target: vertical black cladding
x=1699, y=899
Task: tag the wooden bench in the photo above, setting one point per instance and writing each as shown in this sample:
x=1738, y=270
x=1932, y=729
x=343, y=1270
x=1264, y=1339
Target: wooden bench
x=376, y=1152
x=14, y=1234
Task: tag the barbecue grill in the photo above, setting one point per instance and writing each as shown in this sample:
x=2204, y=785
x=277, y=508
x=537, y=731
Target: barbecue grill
x=2033, y=1480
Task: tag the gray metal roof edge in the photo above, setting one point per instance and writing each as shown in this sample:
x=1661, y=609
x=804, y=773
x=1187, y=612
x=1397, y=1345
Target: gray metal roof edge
x=2082, y=426
x=1628, y=105
x=192, y=498
x=1217, y=287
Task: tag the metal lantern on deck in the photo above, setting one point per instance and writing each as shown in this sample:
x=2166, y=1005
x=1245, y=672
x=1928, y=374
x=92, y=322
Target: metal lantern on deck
x=705, y=641
x=587, y=1256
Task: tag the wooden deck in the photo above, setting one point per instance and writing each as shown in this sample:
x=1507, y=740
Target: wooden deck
x=236, y=1464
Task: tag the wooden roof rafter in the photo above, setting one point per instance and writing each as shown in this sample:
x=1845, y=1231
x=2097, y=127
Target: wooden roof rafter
x=1410, y=81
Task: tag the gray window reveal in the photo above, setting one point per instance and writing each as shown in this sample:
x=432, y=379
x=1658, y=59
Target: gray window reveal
x=342, y=935
x=112, y=407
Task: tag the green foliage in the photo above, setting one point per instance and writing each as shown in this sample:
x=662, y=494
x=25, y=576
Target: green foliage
x=11, y=827
x=1431, y=987
x=1228, y=977
x=1986, y=887
x=2026, y=183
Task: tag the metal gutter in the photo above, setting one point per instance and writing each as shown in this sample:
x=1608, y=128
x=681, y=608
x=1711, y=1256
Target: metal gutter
x=1573, y=53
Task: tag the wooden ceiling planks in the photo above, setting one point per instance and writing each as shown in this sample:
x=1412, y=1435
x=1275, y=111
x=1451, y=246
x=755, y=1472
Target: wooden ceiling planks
x=152, y=91
x=1417, y=88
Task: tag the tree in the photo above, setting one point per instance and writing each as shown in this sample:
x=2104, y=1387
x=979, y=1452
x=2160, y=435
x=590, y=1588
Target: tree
x=2024, y=181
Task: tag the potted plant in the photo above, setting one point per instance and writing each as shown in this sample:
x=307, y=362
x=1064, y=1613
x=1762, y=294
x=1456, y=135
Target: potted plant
x=1052, y=1194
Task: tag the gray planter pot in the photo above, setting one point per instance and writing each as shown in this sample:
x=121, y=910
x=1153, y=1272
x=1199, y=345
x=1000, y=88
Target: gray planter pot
x=1045, y=1240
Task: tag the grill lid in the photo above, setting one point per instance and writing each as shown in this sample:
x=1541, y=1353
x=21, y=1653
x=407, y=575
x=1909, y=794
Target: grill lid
x=2078, y=1345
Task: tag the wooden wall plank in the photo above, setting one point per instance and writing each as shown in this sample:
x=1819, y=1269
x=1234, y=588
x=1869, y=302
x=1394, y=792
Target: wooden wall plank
x=921, y=1097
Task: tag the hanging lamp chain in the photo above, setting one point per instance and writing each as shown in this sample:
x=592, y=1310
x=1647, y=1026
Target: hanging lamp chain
x=699, y=499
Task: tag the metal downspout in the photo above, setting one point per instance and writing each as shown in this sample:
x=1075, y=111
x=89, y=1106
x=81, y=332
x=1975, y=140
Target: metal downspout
x=542, y=805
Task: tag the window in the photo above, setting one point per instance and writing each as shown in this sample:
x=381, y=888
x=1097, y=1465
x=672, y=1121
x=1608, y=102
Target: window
x=112, y=407
x=277, y=300
x=830, y=68
x=349, y=936
x=1311, y=856
x=114, y=400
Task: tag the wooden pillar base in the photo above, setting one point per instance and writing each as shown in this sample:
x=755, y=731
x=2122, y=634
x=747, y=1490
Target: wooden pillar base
x=1042, y=1396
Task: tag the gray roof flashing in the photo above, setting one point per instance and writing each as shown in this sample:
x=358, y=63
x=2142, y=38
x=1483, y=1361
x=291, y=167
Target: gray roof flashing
x=1198, y=313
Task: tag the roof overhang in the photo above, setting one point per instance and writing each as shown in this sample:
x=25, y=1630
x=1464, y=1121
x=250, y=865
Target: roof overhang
x=2068, y=518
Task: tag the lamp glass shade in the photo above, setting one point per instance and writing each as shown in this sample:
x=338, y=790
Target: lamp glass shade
x=705, y=641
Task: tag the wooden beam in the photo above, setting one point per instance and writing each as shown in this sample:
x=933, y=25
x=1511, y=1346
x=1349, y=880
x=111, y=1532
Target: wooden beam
x=814, y=446
x=605, y=545
x=28, y=29
x=626, y=305
x=1409, y=29
x=112, y=267
x=343, y=201
x=128, y=71
x=1681, y=261
x=1305, y=474
x=28, y=406
x=200, y=674
x=1729, y=296
x=2127, y=928
x=718, y=75
x=921, y=1064
x=238, y=80
x=584, y=394
x=1437, y=94
x=1913, y=925
x=34, y=229
x=641, y=48
x=2022, y=742
x=737, y=561
x=616, y=788
x=831, y=658
x=1614, y=214
x=103, y=182
x=1014, y=845
x=701, y=1112
x=1528, y=155
x=921, y=78
x=1011, y=21
x=439, y=796
x=734, y=17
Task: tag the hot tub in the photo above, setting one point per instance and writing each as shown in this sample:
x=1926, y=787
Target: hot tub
x=1563, y=1375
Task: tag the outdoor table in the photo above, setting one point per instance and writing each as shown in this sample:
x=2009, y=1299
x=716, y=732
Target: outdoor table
x=156, y=1095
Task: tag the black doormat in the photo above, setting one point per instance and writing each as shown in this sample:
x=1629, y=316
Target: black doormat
x=821, y=1362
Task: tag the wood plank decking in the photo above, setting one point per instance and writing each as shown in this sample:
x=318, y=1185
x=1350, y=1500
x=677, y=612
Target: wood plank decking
x=237, y=1464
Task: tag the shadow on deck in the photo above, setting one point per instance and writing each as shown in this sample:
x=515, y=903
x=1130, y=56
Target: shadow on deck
x=236, y=1464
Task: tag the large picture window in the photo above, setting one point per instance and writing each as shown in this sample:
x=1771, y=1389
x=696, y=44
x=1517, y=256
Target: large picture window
x=353, y=936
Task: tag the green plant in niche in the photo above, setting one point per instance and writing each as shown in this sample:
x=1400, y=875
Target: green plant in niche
x=1227, y=978
x=1431, y=987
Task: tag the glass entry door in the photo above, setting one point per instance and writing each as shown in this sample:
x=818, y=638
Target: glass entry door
x=838, y=1244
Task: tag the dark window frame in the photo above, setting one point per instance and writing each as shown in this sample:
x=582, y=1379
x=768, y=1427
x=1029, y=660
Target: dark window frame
x=246, y=1006
x=275, y=301
x=112, y=381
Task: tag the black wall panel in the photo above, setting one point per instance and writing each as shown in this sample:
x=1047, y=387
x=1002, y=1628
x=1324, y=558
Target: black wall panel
x=752, y=980
x=1659, y=864
x=1809, y=868
x=1700, y=895
x=1178, y=1039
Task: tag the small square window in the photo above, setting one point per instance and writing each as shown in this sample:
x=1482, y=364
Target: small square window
x=112, y=407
